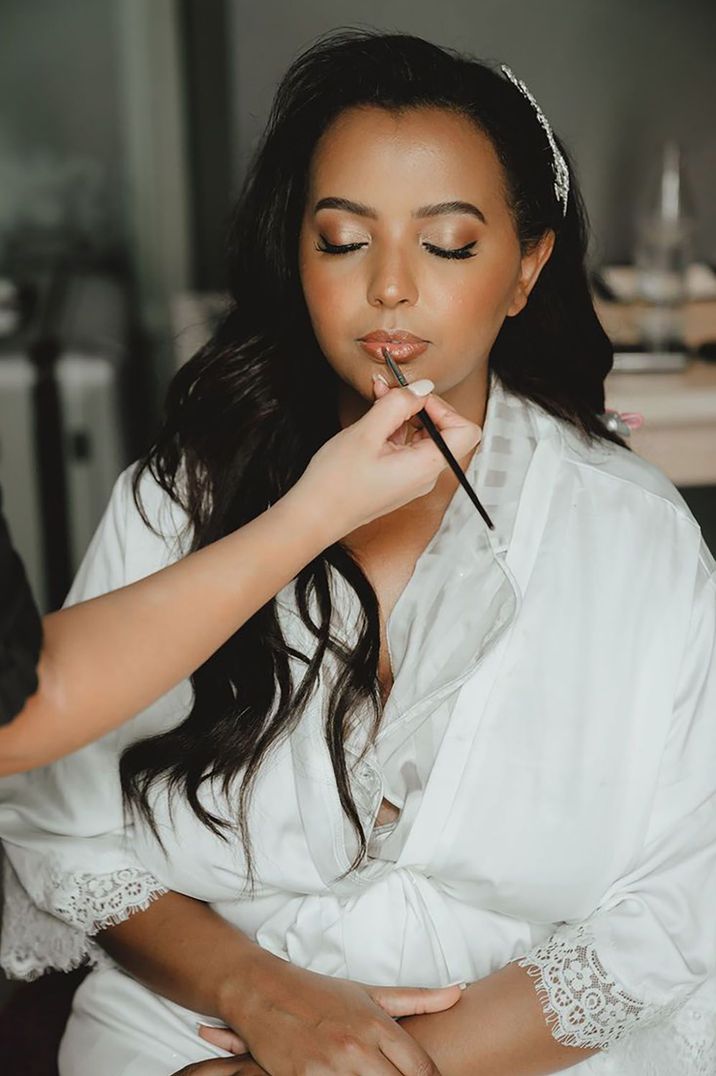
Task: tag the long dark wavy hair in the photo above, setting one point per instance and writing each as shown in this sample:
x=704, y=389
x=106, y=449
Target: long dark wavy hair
x=240, y=426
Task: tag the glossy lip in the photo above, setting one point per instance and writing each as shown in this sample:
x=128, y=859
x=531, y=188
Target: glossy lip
x=402, y=345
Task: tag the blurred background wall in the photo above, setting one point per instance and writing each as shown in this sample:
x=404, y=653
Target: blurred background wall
x=60, y=105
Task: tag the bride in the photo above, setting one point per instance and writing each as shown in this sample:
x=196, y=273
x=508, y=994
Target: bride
x=440, y=754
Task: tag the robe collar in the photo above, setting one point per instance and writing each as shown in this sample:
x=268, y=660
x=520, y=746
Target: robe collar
x=463, y=596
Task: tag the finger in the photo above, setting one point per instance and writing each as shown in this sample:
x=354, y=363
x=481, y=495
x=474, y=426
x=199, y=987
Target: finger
x=402, y=435
x=459, y=433
x=398, y=405
x=225, y=1066
x=444, y=416
x=224, y=1038
x=398, y=1001
x=380, y=386
x=406, y=1055
x=378, y=1064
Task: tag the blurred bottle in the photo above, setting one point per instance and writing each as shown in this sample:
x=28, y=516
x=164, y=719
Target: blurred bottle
x=663, y=253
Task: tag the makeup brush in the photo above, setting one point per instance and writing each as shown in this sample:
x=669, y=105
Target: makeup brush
x=438, y=439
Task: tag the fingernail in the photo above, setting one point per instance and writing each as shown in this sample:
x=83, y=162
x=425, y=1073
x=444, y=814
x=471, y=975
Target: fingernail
x=379, y=377
x=423, y=387
x=463, y=986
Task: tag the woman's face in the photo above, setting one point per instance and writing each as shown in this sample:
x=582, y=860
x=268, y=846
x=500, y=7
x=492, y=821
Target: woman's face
x=406, y=230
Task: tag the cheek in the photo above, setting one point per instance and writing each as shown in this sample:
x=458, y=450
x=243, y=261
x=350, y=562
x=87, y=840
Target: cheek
x=327, y=296
x=476, y=305
x=481, y=300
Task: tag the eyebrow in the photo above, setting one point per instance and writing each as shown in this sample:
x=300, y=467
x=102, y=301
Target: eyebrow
x=437, y=210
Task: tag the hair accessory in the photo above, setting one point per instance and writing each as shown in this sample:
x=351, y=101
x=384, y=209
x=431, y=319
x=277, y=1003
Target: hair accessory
x=622, y=422
x=559, y=165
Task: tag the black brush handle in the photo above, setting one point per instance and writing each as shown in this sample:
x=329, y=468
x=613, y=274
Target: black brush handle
x=454, y=465
x=439, y=441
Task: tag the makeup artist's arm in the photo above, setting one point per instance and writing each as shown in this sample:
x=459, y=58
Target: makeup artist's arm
x=106, y=659
x=497, y=1029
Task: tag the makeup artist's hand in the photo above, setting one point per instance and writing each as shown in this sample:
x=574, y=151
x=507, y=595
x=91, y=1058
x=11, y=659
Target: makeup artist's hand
x=371, y=467
x=296, y=1022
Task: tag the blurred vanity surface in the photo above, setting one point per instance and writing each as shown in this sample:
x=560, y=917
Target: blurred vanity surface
x=679, y=409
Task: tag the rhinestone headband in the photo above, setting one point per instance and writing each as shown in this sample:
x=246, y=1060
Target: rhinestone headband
x=559, y=165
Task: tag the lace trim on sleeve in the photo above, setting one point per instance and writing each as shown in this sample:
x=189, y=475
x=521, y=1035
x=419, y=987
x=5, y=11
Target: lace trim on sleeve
x=76, y=906
x=582, y=1004
x=91, y=902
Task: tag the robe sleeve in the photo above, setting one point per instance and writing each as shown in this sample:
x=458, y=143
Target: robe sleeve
x=651, y=942
x=69, y=866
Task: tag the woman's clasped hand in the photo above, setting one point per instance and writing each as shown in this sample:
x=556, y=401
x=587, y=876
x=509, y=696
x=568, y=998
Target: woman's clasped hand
x=298, y=1022
x=224, y=1066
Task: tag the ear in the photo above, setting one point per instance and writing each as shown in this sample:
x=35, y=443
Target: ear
x=531, y=266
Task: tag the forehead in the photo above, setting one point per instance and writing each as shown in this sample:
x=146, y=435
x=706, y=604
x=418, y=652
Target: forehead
x=419, y=155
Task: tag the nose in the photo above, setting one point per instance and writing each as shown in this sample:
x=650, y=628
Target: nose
x=392, y=282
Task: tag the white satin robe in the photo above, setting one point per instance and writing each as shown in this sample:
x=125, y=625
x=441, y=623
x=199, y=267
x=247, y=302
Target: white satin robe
x=550, y=739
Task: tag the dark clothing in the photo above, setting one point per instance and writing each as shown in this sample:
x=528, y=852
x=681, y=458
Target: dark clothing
x=20, y=631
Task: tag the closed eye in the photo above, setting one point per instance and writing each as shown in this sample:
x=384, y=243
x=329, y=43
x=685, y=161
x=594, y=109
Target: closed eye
x=440, y=252
x=332, y=248
x=457, y=252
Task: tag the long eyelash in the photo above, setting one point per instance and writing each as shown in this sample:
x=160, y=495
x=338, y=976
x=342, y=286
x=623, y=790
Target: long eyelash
x=459, y=252
x=330, y=248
